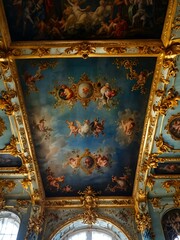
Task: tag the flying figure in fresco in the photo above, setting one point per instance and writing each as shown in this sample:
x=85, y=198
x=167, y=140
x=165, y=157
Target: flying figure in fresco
x=54, y=181
x=73, y=128
x=140, y=78
x=84, y=129
x=97, y=127
x=121, y=183
x=128, y=126
x=41, y=127
x=107, y=93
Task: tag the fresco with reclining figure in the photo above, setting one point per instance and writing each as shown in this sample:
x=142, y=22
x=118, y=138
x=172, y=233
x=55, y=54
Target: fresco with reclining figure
x=84, y=19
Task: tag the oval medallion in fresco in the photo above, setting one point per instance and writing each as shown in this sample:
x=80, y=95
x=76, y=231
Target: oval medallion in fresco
x=173, y=126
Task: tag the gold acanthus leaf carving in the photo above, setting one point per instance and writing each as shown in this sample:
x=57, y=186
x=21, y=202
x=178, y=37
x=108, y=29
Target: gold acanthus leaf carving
x=143, y=221
x=11, y=148
x=150, y=182
x=152, y=162
x=5, y=102
x=83, y=49
x=155, y=202
x=6, y=185
x=171, y=183
x=89, y=201
x=162, y=145
x=23, y=203
x=168, y=102
x=170, y=64
x=40, y=51
x=173, y=49
x=176, y=185
x=116, y=50
x=35, y=225
x=4, y=66
x=26, y=183
x=2, y=202
x=2, y=126
x=4, y=53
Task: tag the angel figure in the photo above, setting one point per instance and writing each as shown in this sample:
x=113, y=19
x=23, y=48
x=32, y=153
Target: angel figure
x=73, y=128
x=140, y=78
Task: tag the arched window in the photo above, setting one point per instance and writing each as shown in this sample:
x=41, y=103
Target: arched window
x=9, y=225
x=90, y=235
x=171, y=224
x=100, y=230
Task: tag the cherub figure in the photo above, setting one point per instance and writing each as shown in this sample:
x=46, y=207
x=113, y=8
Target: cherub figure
x=41, y=127
x=73, y=128
x=141, y=79
x=128, y=126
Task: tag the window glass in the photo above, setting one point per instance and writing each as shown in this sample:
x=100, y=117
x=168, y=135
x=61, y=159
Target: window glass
x=78, y=236
x=9, y=225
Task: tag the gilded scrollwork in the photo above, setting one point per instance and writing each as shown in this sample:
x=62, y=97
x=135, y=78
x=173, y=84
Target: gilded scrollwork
x=83, y=49
x=167, y=185
x=152, y=162
x=89, y=202
x=35, y=225
x=170, y=65
x=5, y=102
x=124, y=202
x=150, y=182
x=9, y=52
x=26, y=183
x=143, y=221
x=2, y=126
x=169, y=101
x=156, y=202
x=163, y=146
x=12, y=146
x=40, y=51
x=5, y=186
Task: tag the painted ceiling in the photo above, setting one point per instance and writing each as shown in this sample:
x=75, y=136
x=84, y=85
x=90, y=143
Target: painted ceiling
x=83, y=112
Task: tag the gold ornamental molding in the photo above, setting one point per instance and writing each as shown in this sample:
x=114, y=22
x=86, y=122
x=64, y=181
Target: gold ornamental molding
x=89, y=202
x=35, y=225
x=5, y=102
x=152, y=162
x=5, y=186
x=162, y=146
x=156, y=202
x=167, y=185
x=2, y=126
x=11, y=147
x=82, y=49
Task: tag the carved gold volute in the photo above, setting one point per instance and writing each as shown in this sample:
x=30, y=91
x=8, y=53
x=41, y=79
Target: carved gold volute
x=162, y=146
x=176, y=185
x=11, y=148
x=89, y=202
x=2, y=126
x=143, y=221
x=5, y=102
x=5, y=186
x=152, y=162
x=83, y=49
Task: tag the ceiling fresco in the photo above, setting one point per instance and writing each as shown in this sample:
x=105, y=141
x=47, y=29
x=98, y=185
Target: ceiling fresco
x=89, y=109
x=86, y=119
x=75, y=19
